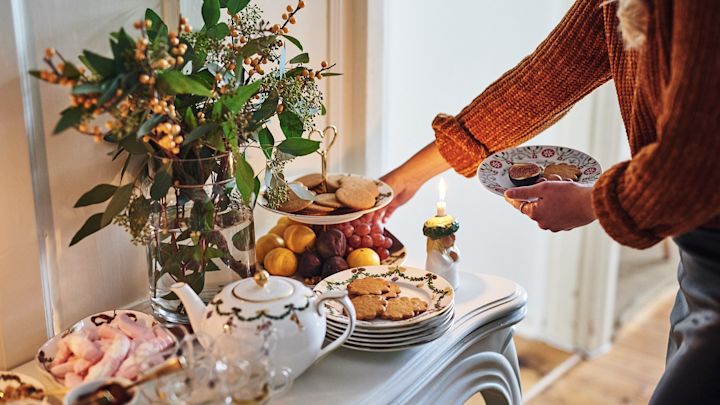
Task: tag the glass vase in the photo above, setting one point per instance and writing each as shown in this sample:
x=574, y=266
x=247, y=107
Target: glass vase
x=202, y=232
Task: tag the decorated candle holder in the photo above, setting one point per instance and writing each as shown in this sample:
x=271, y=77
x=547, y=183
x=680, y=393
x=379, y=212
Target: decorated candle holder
x=442, y=254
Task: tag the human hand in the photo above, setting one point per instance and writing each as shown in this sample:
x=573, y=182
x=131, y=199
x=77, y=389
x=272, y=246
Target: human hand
x=404, y=185
x=554, y=205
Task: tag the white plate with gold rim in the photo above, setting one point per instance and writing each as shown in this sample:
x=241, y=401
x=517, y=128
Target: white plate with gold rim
x=413, y=283
x=341, y=215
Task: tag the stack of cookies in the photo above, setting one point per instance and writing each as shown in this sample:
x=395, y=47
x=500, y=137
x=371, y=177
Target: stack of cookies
x=375, y=297
x=340, y=194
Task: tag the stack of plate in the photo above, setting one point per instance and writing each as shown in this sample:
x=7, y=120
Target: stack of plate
x=381, y=335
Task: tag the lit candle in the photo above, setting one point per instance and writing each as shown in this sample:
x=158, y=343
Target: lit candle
x=441, y=199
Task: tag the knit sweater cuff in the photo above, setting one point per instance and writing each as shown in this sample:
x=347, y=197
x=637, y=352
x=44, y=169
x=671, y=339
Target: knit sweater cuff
x=457, y=146
x=611, y=214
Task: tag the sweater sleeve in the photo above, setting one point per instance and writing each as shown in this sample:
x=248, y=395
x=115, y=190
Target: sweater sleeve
x=672, y=186
x=566, y=66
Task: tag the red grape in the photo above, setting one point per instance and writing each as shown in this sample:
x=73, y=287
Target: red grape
x=362, y=229
x=355, y=222
x=378, y=240
x=376, y=228
x=367, y=218
x=388, y=243
x=366, y=242
x=383, y=253
x=349, y=249
x=355, y=241
x=349, y=230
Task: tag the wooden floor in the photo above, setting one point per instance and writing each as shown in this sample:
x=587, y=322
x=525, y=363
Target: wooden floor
x=626, y=374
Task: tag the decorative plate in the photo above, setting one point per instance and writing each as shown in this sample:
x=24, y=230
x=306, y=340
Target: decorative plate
x=47, y=351
x=413, y=282
x=396, y=347
x=493, y=171
x=395, y=339
x=11, y=381
x=386, y=195
x=338, y=327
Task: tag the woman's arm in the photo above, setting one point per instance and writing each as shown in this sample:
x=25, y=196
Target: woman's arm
x=569, y=64
x=673, y=185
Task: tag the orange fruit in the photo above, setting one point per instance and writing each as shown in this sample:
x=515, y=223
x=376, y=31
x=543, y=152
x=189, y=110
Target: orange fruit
x=280, y=262
x=299, y=238
x=363, y=257
x=281, y=226
x=267, y=243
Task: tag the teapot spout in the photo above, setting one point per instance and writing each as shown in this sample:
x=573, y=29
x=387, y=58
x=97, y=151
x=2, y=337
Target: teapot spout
x=192, y=302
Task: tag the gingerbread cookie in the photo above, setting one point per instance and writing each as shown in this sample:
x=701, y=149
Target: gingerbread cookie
x=333, y=183
x=361, y=183
x=355, y=198
x=310, y=180
x=420, y=305
x=368, y=307
x=368, y=286
x=294, y=203
x=328, y=200
x=563, y=171
x=320, y=209
x=394, y=291
x=398, y=309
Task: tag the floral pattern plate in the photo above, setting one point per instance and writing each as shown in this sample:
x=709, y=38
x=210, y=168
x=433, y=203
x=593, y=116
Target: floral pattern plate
x=413, y=282
x=386, y=195
x=47, y=351
x=493, y=171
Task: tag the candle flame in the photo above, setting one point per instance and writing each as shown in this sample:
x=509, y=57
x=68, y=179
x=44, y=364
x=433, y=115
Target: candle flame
x=442, y=189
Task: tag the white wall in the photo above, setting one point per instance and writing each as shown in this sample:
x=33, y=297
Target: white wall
x=438, y=57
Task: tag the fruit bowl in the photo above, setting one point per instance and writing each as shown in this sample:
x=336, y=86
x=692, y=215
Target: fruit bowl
x=310, y=253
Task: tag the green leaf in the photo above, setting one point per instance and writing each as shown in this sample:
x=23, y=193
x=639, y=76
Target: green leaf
x=204, y=77
x=109, y=88
x=244, y=177
x=242, y=239
x=330, y=74
x=255, y=45
x=235, y=102
x=267, y=142
x=100, y=65
x=217, y=111
x=92, y=225
x=302, y=58
x=138, y=214
x=291, y=124
x=211, y=12
x=98, y=194
x=148, y=125
x=234, y=6
x=157, y=26
x=323, y=110
x=134, y=146
x=161, y=184
x=201, y=216
x=69, y=117
x=87, y=88
x=189, y=118
x=298, y=146
x=218, y=31
x=70, y=71
x=119, y=202
x=174, y=82
x=267, y=109
x=34, y=73
x=199, y=132
x=294, y=41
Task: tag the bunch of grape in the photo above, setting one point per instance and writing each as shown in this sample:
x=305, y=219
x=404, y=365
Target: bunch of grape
x=366, y=232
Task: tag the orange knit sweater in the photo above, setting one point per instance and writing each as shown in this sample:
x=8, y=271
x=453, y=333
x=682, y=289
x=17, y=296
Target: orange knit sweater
x=669, y=94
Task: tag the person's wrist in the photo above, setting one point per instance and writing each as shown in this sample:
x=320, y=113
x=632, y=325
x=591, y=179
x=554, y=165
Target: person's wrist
x=587, y=204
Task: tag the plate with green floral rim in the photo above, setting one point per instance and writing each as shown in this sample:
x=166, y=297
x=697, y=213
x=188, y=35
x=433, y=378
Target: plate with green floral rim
x=406, y=329
x=493, y=171
x=338, y=216
x=413, y=283
x=400, y=338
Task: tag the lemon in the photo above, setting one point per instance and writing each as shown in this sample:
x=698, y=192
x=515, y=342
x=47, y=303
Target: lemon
x=281, y=262
x=267, y=243
x=299, y=238
x=363, y=257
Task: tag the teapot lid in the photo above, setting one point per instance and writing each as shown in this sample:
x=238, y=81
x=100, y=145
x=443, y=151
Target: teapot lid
x=263, y=288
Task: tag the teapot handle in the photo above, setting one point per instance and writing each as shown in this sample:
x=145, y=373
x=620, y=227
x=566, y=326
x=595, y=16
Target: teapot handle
x=344, y=300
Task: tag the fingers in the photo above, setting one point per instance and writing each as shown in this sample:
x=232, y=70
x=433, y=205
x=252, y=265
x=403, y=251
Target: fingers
x=526, y=193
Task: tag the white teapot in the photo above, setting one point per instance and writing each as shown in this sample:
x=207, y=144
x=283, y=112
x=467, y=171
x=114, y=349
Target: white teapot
x=291, y=308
